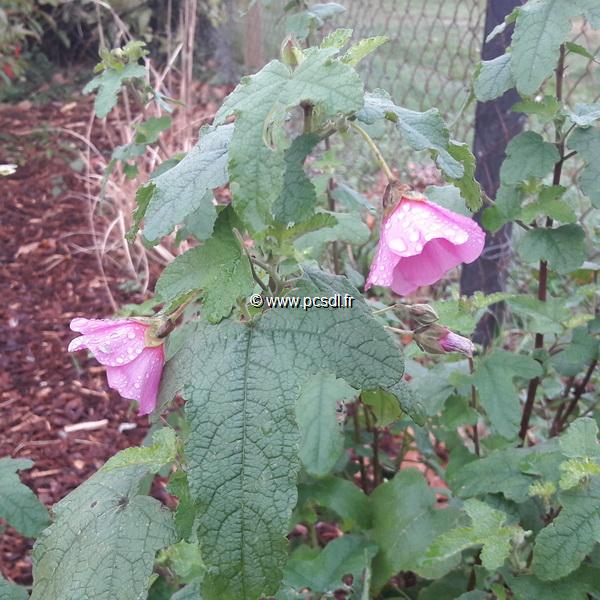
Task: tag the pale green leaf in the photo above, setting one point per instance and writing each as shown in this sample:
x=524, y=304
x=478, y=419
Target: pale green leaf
x=493, y=78
x=11, y=591
x=405, y=523
x=550, y=205
x=584, y=115
x=260, y=103
x=545, y=108
x=561, y=546
x=350, y=229
x=581, y=439
x=563, y=247
x=182, y=190
x=346, y=555
x=321, y=435
x=576, y=471
x=241, y=382
x=541, y=27
x=587, y=143
x=493, y=379
x=192, y=591
x=149, y=131
x=362, y=49
x=580, y=353
x=219, y=269
x=19, y=506
x=488, y=529
x=527, y=156
x=162, y=452
x=574, y=587
x=384, y=406
x=351, y=198
x=341, y=496
x=449, y=197
x=506, y=208
x=338, y=38
x=467, y=184
x=298, y=197
x=541, y=317
x=109, y=83
x=420, y=130
x=103, y=541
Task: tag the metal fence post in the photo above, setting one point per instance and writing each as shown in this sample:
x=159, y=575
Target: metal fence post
x=495, y=126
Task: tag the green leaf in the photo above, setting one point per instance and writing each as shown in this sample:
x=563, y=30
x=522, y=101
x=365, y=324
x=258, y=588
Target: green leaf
x=550, y=205
x=384, y=406
x=421, y=130
x=321, y=436
x=561, y=546
x=11, y=591
x=405, y=523
x=581, y=439
x=449, y=197
x=260, y=103
x=241, y=382
x=487, y=529
x=467, y=184
x=109, y=83
x=349, y=229
x=162, y=452
x=575, y=587
x=149, y=131
x=298, y=197
x=192, y=591
x=142, y=199
x=351, y=198
x=497, y=473
x=182, y=190
x=319, y=220
x=338, y=38
x=563, y=247
x=579, y=49
x=493, y=78
x=183, y=559
x=103, y=540
x=341, y=496
x=494, y=381
x=580, y=353
x=527, y=156
x=187, y=507
x=219, y=268
x=506, y=208
x=576, y=471
x=542, y=317
x=546, y=108
x=346, y=555
x=19, y=506
x=584, y=115
x=541, y=28
x=587, y=143
x=362, y=49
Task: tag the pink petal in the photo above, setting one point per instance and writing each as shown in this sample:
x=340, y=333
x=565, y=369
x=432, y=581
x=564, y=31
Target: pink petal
x=420, y=241
x=113, y=343
x=139, y=380
x=452, y=342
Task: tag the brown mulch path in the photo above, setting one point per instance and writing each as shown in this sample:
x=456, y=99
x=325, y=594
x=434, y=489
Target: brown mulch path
x=45, y=281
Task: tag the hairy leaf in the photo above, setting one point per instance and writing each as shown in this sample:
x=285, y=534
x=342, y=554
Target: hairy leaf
x=346, y=555
x=488, y=529
x=580, y=353
x=405, y=523
x=109, y=83
x=260, y=103
x=219, y=268
x=182, y=190
x=494, y=78
x=241, y=382
x=587, y=143
x=584, y=115
x=494, y=380
x=103, y=541
x=362, y=49
x=11, y=591
x=162, y=452
x=322, y=437
x=528, y=155
x=563, y=247
x=19, y=506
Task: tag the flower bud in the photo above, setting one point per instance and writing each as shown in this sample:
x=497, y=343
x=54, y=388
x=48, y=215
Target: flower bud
x=291, y=54
x=423, y=314
x=437, y=339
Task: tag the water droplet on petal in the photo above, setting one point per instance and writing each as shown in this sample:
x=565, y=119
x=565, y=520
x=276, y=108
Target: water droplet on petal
x=397, y=245
x=413, y=236
x=131, y=335
x=418, y=247
x=119, y=359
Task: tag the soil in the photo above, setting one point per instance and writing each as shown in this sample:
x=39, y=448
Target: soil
x=47, y=278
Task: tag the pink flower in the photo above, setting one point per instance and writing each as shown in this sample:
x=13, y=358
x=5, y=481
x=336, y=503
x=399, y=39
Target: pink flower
x=133, y=363
x=452, y=342
x=420, y=241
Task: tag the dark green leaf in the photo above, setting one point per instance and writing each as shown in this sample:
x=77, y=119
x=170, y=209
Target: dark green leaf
x=527, y=156
x=587, y=143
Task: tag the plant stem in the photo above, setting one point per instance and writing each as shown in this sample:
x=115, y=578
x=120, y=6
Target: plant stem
x=543, y=268
x=579, y=391
x=335, y=251
x=474, y=406
x=376, y=151
x=374, y=430
x=357, y=441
